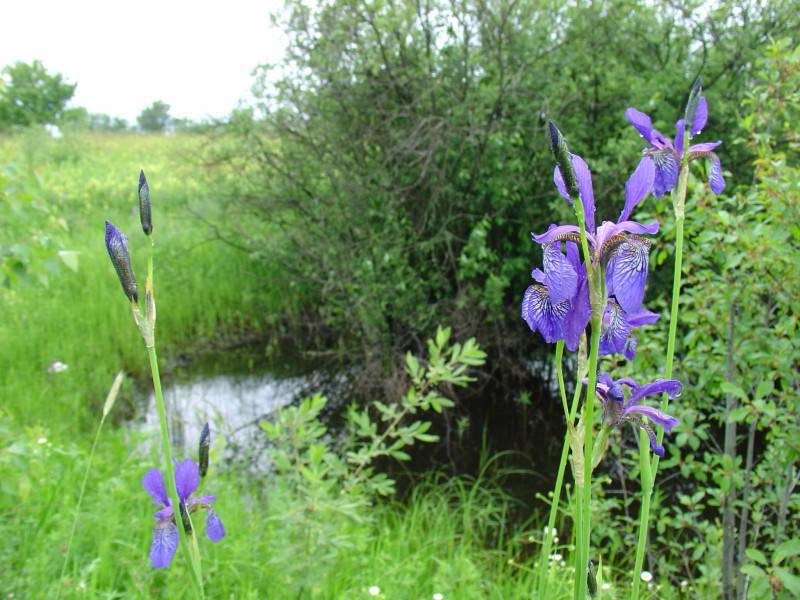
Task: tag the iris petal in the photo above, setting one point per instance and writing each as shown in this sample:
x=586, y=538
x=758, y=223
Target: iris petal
x=153, y=482
x=655, y=415
x=716, y=180
x=666, y=172
x=214, y=529
x=638, y=186
x=700, y=117
x=615, y=330
x=542, y=315
x=629, y=274
x=187, y=478
x=641, y=122
x=560, y=277
x=165, y=542
x=580, y=313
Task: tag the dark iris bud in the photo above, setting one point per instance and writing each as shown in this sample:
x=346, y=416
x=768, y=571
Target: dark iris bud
x=691, y=104
x=591, y=580
x=187, y=523
x=144, y=205
x=559, y=147
x=117, y=246
x=205, y=442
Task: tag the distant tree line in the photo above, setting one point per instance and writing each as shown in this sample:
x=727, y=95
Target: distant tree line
x=30, y=95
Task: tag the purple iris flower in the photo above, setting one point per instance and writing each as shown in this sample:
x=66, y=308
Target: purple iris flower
x=618, y=409
x=559, y=307
x=165, y=532
x=666, y=154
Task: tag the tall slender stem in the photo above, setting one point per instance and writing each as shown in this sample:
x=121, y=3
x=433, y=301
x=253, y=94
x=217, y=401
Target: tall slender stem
x=569, y=415
x=190, y=548
x=678, y=203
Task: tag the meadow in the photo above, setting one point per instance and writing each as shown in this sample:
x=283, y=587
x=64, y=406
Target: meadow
x=446, y=539
x=323, y=251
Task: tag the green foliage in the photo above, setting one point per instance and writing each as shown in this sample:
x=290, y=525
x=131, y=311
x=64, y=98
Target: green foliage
x=154, y=118
x=331, y=477
x=400, y=147
x=738, y=359
x=30, y=95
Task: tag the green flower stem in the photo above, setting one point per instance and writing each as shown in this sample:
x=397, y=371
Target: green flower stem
x=582, y=567
x=648, y=478
x=598, y=301
x=569, y=415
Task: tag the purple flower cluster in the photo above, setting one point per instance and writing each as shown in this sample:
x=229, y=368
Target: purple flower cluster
x=559, y=306
x=165, y=532
x=618, y=409
x=666, y=154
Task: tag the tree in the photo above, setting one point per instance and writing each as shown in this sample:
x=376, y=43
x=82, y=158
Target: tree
x=155, y=117
x=30, y=94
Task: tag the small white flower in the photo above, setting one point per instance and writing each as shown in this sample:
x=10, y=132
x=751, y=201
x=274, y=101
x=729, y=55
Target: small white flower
x=374, y=590
x=556, y=557
x=605, y=586
x=57, y=367
x=438, y=597
x=563, y=563
x=41, y=440
x=646, y=576
x=684, y=583
x=555, y=540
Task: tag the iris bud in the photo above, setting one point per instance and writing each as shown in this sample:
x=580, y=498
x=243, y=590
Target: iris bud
x=144, y=205
x=205, y=442
x=559, y=146
x=117, y=246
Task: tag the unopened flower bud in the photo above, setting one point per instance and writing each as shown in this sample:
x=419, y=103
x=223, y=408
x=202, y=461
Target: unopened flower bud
x=144, y=205
x=559, y=147
x=591, y=580
x=117, y=246
x=205, y=442
x=187, y=523
x=692, y=103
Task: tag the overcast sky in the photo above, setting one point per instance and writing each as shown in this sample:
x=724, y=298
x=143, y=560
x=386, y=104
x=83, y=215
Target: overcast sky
x=196, y=56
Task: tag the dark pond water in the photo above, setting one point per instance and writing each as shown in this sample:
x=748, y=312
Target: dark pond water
x=232, y=391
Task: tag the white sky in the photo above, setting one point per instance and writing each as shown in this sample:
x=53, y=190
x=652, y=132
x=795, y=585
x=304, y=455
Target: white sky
x=197, y=56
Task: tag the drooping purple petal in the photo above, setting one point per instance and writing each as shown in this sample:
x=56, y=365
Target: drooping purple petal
x=667, y=169
x=579, y=314
x=538, y=275
x=629, y=274
x=615, y=330
x=165, y=542
x=641, y=122
x=704, y=147
x=553, y=232
x=542, y=315
x=153, y=482
x=638, y=186
x=214, y=528
x=560, y=277
x=630, y=347
x=700, y=117
x=716, y=180
x=187, y=478
x=672, y=387
x=655, y=415
x=642, y=317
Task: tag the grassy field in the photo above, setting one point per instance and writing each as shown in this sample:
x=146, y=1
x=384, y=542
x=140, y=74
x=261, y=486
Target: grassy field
x=449, y=539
